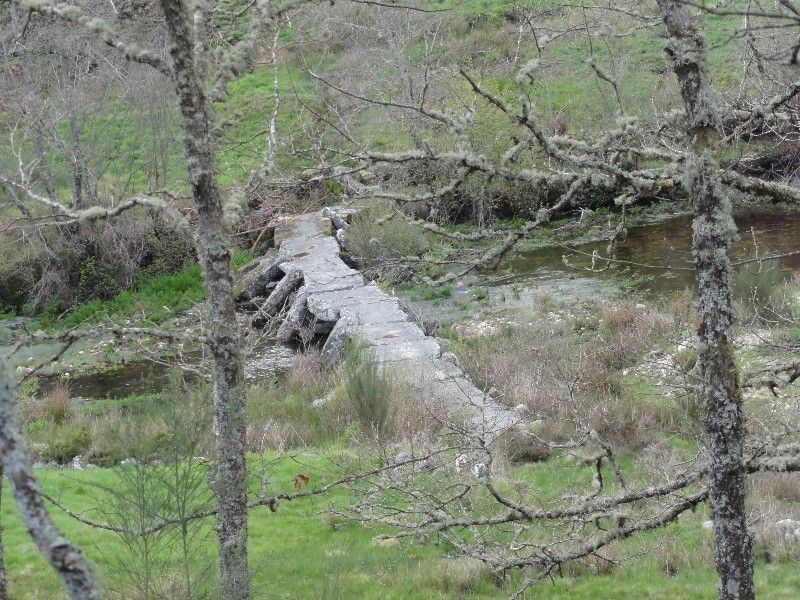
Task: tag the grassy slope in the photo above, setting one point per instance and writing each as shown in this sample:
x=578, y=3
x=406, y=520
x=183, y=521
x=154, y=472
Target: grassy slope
x=154, y=300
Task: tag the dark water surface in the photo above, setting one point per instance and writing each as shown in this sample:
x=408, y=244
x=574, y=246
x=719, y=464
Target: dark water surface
x=667, y=243
x=151, y=377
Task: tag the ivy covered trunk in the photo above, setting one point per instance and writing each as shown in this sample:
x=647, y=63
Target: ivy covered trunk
x=66, y=559
x=230, y=479
x=713, y=232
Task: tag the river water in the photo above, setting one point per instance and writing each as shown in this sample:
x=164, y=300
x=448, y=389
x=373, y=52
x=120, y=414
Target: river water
x=666, y=245
x=522, y=280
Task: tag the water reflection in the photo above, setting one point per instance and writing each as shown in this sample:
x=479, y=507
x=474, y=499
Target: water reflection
x=664, y=244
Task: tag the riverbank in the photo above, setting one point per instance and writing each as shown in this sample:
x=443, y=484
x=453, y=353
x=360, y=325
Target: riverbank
x=621, y=362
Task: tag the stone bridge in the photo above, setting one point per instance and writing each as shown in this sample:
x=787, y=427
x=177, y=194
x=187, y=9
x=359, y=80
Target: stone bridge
x=304, y=289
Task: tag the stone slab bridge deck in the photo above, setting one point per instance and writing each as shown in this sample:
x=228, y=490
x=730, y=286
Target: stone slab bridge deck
x=304, y=289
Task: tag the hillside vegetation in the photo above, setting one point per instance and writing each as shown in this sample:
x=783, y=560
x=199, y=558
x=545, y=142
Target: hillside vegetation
x=551, y=199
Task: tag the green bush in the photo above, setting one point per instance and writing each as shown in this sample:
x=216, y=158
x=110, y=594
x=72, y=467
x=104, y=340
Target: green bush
x=18, y=274
x=168, y=251
x=95, y=280
x=65, y=441
x=368, y=390
x=394, y=238
x=758, y=291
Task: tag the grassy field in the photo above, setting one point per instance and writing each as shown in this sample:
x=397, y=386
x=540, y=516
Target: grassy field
x=299, y=552
x=305, y=550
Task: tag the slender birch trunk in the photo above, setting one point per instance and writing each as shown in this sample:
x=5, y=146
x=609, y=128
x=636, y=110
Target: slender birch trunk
x=713, y=232
x=230, y=485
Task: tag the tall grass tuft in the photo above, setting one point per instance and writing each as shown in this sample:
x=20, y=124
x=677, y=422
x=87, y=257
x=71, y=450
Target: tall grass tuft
x=55, y=405
x=759, y=292
x=368, y=389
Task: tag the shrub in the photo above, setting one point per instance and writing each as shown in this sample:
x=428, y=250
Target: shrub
x=117, y=436
x=55, y=405
x=522, y=447
x=432, y=293
x=96, y=280
x=457, y=575
x=368, y=389
x=480, y=294
x=614, y=319
x=770, y=540
x=416, y=414
x=685, y=359
x=395, y=238
x=672, y=558
x=165, y=427
x=168, y=251
x=309, y=375
x=66, y=441
x=757, y=291
x=279, y=419
x=18, y=274
x=280, y=412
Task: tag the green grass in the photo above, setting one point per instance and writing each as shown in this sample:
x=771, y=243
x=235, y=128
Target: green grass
x=305, y=551
x=772, y=581
x=425, y=293
x=135, y=401
x=154, y=300
x=302, y=552
x=296, y=552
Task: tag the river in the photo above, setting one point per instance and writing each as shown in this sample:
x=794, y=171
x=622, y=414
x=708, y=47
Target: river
x=523, y=279
x=666, y=245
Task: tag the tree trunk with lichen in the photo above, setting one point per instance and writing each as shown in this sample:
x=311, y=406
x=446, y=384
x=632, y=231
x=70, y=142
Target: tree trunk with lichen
x=230, y=477
x=713, y=232
x=66, y=559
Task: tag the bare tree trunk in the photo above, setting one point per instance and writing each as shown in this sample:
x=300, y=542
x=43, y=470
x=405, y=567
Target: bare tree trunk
x=65, y=558
x=714, y=230
x=33, y=104
x=230, y=483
